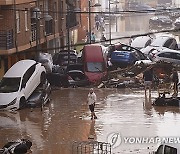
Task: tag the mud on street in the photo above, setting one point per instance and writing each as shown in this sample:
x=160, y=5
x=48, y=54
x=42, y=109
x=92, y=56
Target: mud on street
x=67, y=119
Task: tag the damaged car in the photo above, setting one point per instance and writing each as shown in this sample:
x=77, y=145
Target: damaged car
x=76, y=76
x=40, y=97
x=124, y=55
x=19, y=83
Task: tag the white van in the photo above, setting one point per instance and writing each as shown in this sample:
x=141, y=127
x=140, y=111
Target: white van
x=19, y=82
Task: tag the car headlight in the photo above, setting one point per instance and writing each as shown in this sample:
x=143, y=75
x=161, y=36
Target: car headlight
x=13, y=102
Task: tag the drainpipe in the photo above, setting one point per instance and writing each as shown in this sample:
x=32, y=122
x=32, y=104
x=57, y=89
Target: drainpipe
x=15, y=28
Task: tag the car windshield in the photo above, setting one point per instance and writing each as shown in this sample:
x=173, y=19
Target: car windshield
x=8, y=85
x=94, y=67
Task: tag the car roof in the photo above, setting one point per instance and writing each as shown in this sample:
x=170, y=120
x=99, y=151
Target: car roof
x=140, y=41
x=19, y=68
x=159, y=41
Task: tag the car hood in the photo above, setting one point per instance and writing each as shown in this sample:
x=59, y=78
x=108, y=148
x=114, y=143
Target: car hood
x=6, y=98
x=94, y=77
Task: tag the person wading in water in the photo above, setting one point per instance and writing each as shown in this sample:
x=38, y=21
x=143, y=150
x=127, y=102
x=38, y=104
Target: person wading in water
x=91, y=100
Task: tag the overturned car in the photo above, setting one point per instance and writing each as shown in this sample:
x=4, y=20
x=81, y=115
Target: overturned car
x=40, y=97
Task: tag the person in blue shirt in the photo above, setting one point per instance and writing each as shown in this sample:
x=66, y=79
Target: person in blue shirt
x=93, y=38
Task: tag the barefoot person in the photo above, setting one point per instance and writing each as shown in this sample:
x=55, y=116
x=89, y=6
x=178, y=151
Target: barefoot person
x=148, y=78
x=91, y=100
x=175, y=81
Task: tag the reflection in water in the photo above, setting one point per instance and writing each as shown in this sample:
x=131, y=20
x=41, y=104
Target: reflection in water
x=92, y=133
x=66, y=120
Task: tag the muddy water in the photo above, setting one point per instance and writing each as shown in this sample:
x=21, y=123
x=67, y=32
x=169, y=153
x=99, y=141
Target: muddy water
x=124, y=113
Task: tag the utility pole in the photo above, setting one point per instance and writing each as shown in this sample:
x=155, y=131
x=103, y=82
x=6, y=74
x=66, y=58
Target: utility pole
x=89, y=13
x=68, y=33
x=110, y=21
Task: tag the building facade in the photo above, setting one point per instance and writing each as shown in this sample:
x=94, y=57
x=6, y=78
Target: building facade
x=31, y=26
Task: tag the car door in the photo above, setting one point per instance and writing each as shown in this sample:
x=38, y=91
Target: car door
x=28, y=83
x=177, y=58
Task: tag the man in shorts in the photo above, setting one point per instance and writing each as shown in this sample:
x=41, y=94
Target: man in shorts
x=148, y=78
x=91, y=100
x=175, y=80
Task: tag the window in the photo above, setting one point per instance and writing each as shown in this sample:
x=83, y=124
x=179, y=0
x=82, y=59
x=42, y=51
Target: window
x=94, y=67
x=55, y=11
x=168, y=43
x=28, y=74
x=61, y=9
x=170, y=150
x=17, y=22
x=160, y=150
x=148, y=43
x=8, y=85
x=26, y=20
x=165, y=55
x=177, y=56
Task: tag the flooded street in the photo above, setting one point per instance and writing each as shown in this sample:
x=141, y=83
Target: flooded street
x=66, y=119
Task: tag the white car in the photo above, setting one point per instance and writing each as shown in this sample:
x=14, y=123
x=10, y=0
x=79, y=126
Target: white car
x=166, y=55
x=19, y=82
x=141, y=42
x=161, y=41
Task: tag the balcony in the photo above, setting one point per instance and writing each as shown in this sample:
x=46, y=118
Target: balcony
x=6, y=39
x=33, y=32
x=11, y=2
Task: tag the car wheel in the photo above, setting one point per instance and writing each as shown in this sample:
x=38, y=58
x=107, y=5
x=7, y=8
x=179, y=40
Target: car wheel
x=22, y=103
x=43, y=78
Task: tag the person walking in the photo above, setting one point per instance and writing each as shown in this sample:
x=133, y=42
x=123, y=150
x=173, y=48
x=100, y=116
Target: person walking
x=175, y=81
x=91, y=100
x=87, y=37
x=148, y=78
x=93, y=38
x=103, y=38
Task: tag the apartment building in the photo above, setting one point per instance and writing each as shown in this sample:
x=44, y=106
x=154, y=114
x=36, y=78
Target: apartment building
x=30, y=26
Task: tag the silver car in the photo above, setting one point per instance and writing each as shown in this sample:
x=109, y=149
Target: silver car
x=166, y=55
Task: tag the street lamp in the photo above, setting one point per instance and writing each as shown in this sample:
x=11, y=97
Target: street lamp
x=89, y=14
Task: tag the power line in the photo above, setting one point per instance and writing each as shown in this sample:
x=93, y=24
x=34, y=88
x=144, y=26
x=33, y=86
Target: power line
x=101, y=12
x=113, y=39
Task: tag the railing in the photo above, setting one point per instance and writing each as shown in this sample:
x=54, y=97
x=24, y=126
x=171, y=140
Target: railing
x=33, y=32
x=6, y=39
x=91, y=147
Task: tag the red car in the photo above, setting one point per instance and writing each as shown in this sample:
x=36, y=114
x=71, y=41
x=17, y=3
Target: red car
x=94, y=63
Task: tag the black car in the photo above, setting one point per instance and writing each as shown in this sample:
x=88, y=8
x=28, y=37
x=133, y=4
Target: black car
x=40, y=96
x=58, y=77
x=65, y=57
x=160, y=21
x=77, y=78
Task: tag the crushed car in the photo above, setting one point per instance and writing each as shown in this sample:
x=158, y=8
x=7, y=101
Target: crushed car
x=58, y=77
x=40, y=97
x=65, y=57
x=123, y=56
